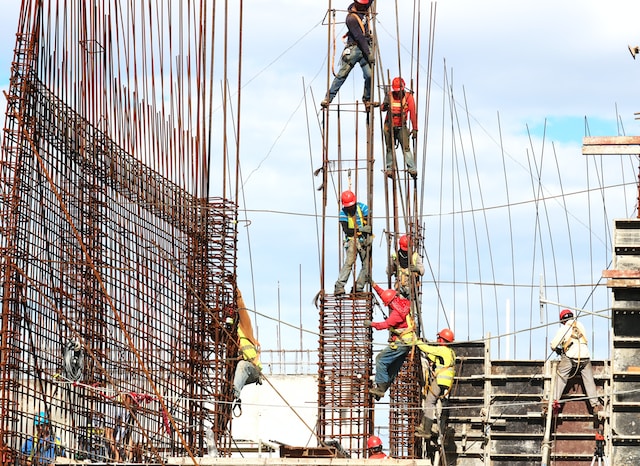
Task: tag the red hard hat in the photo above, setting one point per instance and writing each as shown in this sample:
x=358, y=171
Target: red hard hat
x=348, y=198
x=387, y=296
x=404, y=242
x=363, y=2
x=374, y=442
x=397, y=84
x=566, y=314
x=446, y=334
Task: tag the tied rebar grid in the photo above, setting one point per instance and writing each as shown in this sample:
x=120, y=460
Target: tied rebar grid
x=405, y=412
x=345, y=407
x=106, y=257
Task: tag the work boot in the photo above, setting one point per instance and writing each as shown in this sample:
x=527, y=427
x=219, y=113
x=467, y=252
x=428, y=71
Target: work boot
x=338, y=291
x=379, y=390
x=388, y=173
x=413, y=173
x=428, y=429
x=324, y=103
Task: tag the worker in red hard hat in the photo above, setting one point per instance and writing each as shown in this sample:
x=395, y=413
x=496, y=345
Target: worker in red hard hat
x=439, y=364
x=402, y=337
x=403, y=268
x=354, y=220
x=357, y=50
x=374, y=447
x=570, y=342
x=400, y=107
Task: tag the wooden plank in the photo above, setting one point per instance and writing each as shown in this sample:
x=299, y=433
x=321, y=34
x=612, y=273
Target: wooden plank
x=611, y=145
x=621, y=273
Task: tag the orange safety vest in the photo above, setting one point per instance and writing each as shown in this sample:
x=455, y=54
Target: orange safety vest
x=398, y=109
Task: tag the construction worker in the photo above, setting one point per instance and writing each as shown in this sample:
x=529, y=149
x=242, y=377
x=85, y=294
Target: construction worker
x=374, y=448
x=570, y=342
x=249, y=367
x=357, y=241
x=44, y=447
x=357, y=50
x=399, y=105
x=439, y=373
x=402, y=337
x=402, y=268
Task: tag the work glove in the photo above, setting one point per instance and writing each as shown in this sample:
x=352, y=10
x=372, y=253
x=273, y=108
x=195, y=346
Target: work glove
x=371, y=59
x=367, y=323
x=414, y=268
x=366, y=229
x=394, y=256
x=414, y=133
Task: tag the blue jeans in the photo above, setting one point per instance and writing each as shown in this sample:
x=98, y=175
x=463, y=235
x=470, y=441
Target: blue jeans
x=355, y=56
x=246, y=373
x=389, y=361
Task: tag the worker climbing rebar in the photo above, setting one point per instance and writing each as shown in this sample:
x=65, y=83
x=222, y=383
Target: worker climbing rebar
x=400, y=107
x=358, y=49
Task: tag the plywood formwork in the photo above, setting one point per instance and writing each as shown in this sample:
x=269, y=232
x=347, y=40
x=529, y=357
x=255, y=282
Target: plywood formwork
x=624, y=281
x=495, y=412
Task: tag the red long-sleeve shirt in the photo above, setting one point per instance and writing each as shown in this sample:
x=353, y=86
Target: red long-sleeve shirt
x=399, y=307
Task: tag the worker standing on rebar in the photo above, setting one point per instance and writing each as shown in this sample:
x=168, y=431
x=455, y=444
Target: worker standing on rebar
x=570, y=342
x=400, y=266
x=44, y=446
x=400, y=107
x=357, y=241
x=249, y=367
x=402, y=338
x=357, y=50
x=440, y=371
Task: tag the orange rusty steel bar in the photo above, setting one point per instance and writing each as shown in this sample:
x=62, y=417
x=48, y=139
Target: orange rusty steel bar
x=345, y=407
x=107, y=240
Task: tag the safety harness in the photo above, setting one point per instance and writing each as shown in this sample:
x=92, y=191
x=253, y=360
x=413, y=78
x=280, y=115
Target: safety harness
x=398, y=110
x=351, y=218
x=443, y=373
x=576, y=335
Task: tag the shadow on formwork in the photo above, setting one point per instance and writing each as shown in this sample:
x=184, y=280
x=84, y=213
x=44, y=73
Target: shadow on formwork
x=495, y=414
x=115, y=282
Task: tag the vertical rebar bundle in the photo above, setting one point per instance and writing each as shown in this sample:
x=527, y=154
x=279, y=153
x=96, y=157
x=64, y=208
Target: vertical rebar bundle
x=117, y=266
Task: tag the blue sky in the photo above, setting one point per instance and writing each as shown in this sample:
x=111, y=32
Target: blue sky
x=504, y=74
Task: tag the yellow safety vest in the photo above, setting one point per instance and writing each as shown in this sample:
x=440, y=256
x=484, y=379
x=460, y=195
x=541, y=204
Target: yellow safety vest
x=443, y=359
x=248, y=350
x=351, y=221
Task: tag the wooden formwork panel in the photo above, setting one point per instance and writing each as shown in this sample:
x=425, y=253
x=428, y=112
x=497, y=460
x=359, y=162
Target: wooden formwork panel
x=516, y=444
x=517, y=387
x=513, y=368
x=626, y=359
x=626, y=322
x=627, y=423
x=626, y=390
x=625, y=454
